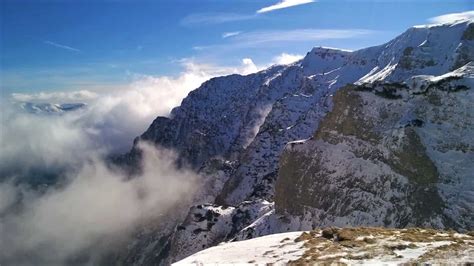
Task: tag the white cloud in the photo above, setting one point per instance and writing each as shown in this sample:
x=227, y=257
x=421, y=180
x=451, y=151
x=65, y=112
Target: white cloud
x=169, y=91
x=258, y=38
x=284, y=4
x=95, y=208
x=62, y=46
x=7, y=196
x=95, y=204
x=265, y=38
x=230, y=34
x=213, y=18
x=249, y=66
x=30, y=142
x=114, y=118
x=452, y=17
x=285, y=59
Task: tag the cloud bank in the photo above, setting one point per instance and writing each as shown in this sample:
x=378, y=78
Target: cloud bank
x=113, y=119
x=96, y=209
x=60, y=201
x=284, y=4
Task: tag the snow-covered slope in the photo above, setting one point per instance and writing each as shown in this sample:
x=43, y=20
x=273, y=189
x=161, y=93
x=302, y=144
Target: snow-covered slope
x=431, y=50
x=277, y=248
x=343, y=246
x=233, y=130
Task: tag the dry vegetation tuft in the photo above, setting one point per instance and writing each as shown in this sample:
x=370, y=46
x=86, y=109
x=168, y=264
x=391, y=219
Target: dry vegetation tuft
x=340, y=246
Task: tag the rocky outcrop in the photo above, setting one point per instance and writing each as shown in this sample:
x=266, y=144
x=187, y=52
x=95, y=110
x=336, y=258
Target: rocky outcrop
x=377, y=159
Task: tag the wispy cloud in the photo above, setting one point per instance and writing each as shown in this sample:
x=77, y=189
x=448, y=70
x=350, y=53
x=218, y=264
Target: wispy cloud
x=218, y=18
x=62, y=46
x=213, y=18
x=281, y=39
x=284, y=4
x=452, y=17
x=275, y=37
x=230, y=34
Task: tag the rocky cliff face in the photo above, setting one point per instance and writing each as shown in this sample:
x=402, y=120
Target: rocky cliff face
x=395, y=150
x=388, y=155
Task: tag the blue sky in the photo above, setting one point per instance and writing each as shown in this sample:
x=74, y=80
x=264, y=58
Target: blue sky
x=74, y=45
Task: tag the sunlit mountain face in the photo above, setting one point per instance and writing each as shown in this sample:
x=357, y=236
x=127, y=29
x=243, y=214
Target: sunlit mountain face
x=145, y=133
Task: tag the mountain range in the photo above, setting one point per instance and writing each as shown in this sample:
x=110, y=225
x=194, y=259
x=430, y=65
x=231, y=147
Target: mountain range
x=380, y=136
x=50, y=108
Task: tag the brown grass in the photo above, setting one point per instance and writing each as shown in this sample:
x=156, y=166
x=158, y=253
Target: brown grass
x=368, y=242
